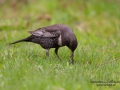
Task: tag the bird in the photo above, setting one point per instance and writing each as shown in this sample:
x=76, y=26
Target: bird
x=53, y=36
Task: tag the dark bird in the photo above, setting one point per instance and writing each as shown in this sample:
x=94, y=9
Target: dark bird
x=54, y=36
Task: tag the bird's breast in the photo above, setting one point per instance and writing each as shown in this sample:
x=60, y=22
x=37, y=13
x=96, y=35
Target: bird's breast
x=60, y=41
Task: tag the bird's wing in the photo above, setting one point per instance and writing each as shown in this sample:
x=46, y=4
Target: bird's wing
x=46, y=32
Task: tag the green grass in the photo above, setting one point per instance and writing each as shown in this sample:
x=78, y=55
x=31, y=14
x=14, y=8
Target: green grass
x=96, y=25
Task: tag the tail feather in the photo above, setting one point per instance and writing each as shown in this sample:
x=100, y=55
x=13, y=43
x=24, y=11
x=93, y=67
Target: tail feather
x=17, y=41
x=22, y=40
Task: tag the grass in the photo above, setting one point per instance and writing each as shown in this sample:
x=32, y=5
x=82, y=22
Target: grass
x=96, y=25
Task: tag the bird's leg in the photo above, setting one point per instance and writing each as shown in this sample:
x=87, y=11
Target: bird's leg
x=47, y=52
x=56, y=52
x=71, y=57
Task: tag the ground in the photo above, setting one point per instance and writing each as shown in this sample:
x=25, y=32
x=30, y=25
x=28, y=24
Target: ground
x=96, y=25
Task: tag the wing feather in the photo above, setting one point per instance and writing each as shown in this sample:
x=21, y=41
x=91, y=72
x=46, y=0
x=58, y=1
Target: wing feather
x=46, y=32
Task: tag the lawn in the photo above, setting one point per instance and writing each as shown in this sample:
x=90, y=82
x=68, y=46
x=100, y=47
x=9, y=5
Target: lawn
x=96, y=24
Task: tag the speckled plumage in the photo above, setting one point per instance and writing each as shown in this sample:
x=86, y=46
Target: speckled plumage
x=46, y=42
x=53, y=36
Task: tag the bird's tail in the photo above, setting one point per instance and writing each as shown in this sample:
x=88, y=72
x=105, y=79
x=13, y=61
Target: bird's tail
x=28, y=39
